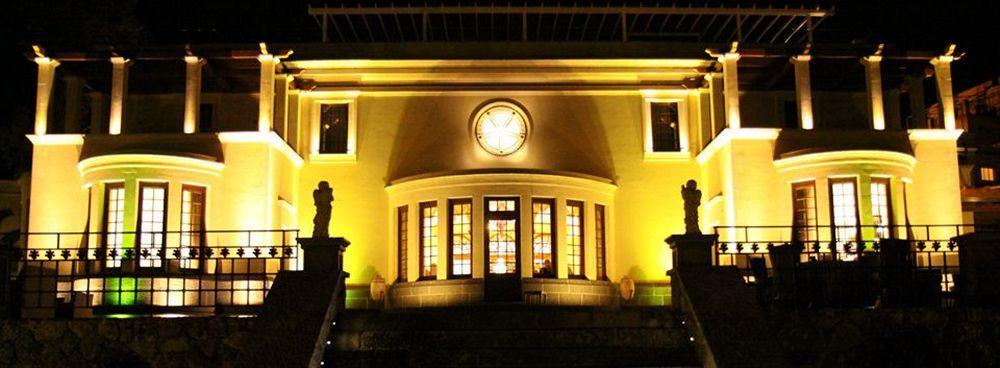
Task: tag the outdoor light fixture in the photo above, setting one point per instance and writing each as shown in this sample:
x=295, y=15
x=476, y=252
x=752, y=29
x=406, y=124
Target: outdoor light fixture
x=501, y=128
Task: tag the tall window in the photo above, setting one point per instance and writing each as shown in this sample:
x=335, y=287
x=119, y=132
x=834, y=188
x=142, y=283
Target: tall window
x=600, y=242
x=543, y=257
x=804, y=211
x=460, y=231
x=428, y=240
x=502, y=235
x=402, y=237
x=881, y=212
x=574, y=238
x=333, y=128
x=192, y=225
x=152, y=223
x=844, y=208
x=114, y=222
x=665, y=126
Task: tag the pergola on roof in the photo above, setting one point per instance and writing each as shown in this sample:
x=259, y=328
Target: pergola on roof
x=757, y=22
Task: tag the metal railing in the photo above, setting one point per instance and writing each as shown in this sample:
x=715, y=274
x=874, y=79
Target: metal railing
x=845, y=265
x=68, y=275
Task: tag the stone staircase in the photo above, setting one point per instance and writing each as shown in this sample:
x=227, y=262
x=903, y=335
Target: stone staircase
x=511, y=336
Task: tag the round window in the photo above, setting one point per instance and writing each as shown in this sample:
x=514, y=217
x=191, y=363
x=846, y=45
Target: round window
x=501, y=128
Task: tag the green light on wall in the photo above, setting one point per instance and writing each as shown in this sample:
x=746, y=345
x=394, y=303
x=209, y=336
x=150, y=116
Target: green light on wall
x=120, y=291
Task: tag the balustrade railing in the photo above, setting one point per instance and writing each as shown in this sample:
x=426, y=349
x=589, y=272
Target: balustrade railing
x=84, y=274
x=846, y=265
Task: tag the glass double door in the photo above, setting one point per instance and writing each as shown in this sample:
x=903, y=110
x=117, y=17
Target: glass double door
x=502, y=279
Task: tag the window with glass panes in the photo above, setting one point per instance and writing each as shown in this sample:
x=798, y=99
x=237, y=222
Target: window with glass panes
x=114, y=222
x=460, y=215
x=804, y=211
x=333, y=129
x=844, y=209
x=574, y=238
x=542, y=237
x=402, y=236
x=152, y=223
x=428, y=240
x=600, y=242
x=881, y=212
x=192, y=225
x=665, y=126
x=502, y=235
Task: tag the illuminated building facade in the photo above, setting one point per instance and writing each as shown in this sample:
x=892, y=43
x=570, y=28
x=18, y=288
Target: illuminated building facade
x=469, y=173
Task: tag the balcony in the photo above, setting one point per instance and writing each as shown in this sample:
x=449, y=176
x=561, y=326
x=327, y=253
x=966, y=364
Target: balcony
x=198, y=146
x=87, y=274
x=792, y=142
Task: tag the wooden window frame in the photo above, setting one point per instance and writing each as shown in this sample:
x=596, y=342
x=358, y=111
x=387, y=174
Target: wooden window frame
x=201, y=231
x=105, y=231
x=857, y=205
x=402, y=238
x=421, y=265
x=498, y=215
x=553, y=236
x=451, y=237
x=601, y=240
x=351, y=101
x=815, y=211
x=138, y=223
x=888, y=205
x=583, y=239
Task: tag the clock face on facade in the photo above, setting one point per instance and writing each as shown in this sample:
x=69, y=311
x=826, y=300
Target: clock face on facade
x=501, y=128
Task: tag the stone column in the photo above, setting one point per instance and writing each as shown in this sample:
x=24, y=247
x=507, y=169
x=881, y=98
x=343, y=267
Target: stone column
x=692, y=250
x=873, y=76
x=46, y=75
x=119, y=91
x=803, y=91
x=192, y=92
x=267, y=64
x=942, y=75
x=731, y=88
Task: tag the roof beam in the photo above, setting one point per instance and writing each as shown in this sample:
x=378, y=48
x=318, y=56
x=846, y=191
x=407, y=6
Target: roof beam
x=802, y=12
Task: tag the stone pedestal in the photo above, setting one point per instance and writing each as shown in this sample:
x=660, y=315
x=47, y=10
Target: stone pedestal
x=692, y=250
x=323, y=254
x=979, y=278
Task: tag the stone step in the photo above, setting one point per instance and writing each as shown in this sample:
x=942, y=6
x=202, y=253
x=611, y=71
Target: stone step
x=511, y=335
x=520, y=338
x=595, y=357
x=501, y=319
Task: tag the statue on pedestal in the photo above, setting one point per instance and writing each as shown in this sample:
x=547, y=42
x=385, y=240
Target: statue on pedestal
x=323, y=198
x=692, y=199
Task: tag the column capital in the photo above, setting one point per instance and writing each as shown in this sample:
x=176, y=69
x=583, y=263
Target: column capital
x=729, y=56
x=263, y=58
x=943, y=59
x=801, y=58
x=119, y=60
x=42, y=60
x=191, y=59
x=872, y=59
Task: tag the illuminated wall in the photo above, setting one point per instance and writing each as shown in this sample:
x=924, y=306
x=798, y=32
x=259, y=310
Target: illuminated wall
x=410, y=134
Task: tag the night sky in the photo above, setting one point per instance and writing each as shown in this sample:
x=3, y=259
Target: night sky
x=82, y=25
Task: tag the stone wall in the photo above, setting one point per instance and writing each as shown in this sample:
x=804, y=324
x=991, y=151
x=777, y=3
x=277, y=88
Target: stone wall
x=891, y=337
x=127, y=342
x=438, y=293
x=446, y=293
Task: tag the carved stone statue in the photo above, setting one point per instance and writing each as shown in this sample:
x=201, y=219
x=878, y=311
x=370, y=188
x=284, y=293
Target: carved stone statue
x=323, y=198
x=692, y=199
